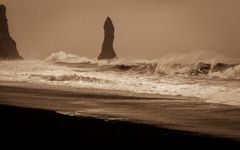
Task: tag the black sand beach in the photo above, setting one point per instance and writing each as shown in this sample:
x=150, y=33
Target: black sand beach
x=31, y=116
x=24, y=126
x=167, y=74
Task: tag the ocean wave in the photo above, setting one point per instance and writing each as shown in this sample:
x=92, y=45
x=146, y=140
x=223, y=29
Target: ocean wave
x=139, y=77
x=219, y=70
x=66, y=57
x=69, y=77
x=230, y=72
x=198, y=63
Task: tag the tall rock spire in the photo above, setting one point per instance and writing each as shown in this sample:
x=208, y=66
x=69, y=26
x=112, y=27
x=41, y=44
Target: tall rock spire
x=107, y=47
x=8, y=49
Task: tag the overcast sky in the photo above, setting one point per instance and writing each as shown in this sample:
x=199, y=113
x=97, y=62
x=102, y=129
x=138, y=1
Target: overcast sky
x=144, y=28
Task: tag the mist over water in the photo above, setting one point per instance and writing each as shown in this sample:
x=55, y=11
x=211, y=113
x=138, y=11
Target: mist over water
x=172, y=75
x=144, y=29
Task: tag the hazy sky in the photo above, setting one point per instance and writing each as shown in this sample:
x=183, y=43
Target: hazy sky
x=144, y=28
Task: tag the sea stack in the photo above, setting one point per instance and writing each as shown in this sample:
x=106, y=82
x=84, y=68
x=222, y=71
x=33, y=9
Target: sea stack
x=107, y=47
x=8, y=49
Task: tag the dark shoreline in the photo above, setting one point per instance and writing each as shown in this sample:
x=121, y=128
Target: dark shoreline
x=35, y=126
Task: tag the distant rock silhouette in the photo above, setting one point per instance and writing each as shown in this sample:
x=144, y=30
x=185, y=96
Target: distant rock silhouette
x=8, y=48
x=107, y=47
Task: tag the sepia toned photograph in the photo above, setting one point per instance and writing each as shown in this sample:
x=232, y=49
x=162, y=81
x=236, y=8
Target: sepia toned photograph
x=120, y=74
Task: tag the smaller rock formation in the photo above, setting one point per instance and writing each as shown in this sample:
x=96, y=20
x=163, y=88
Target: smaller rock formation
x=8, y=49
x=107, y=47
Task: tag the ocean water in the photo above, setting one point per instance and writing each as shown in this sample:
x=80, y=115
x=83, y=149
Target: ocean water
x=203, y=76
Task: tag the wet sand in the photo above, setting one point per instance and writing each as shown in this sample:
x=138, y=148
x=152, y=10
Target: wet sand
x=135, y=117
x=27, y=126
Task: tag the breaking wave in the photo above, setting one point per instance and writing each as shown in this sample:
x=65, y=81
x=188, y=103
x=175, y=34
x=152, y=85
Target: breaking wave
x=70, y=77
x=219, y=70
x=66, y=57
x=202, y=75
x=199, y=63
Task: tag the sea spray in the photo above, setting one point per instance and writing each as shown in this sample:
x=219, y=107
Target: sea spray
x=177, y=76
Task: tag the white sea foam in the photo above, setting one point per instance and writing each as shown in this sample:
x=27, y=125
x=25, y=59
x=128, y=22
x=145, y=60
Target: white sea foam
x=66, y=57
x=162, y=78
x=230, y=73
